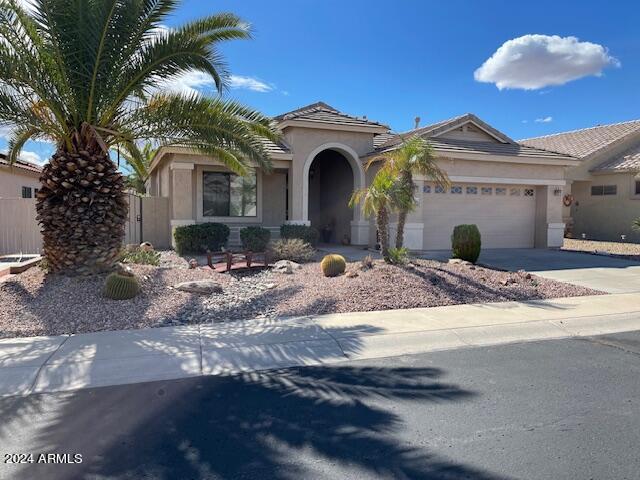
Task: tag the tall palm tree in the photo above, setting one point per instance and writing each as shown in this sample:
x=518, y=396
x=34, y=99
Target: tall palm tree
x=376, y=200
x=84, y=74
x=139, y=161
x=414, y=157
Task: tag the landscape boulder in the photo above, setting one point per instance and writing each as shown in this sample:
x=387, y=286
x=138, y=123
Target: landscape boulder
x=205, y=287
x=286, y=266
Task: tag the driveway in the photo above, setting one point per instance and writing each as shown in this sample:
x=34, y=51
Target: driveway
x=607, y=274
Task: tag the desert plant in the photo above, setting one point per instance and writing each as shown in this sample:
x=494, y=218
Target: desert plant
x=200, y=237
x=413, y=157
x=376, y=200
x=91, y=76
x=466, y=242
x=293, y=249
x=366, y=263
x=333, y=265
x=303, y=232
x=121, y=286
x=398, y=256
x=255, y=238
x=140, y=256
x=635, y=226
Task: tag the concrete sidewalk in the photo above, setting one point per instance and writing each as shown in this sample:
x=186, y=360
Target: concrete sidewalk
x=49, y=364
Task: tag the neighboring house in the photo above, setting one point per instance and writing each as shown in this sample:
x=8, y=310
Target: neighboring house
x=604, y=188
x=19, y=180
x=512, y=192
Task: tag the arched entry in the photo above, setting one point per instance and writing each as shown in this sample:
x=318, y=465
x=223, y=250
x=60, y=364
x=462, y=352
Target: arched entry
x=331, y=174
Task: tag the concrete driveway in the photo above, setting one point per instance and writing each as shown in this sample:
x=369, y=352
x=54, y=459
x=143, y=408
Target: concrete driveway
x=608, y=274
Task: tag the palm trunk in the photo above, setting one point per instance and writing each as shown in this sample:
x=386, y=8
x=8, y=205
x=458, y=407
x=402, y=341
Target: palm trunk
x=402, y=218
x=81, y=209
x=382, y=224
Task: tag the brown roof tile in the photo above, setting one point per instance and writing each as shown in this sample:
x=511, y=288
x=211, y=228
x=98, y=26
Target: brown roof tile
x=584, y=142
x=627, y=162
x=322, y=113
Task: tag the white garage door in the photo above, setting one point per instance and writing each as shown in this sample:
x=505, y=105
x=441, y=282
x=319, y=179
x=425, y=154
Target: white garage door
x=505, y=215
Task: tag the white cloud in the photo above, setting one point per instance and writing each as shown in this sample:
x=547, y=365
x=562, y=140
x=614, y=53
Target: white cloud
x=531, y=62
x=32, y=157
x=249, y=83
x=546, y=119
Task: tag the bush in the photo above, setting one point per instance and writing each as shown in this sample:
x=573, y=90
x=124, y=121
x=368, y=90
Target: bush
x=466, y=242
x=333, y=265
x=292, y=249
x=140, y=256
x=398, y=256
x=303, y=232
x=201, y=237
x=255, y=239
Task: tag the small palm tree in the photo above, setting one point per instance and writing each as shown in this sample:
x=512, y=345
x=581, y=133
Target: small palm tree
x=414, y=157
x=139, y=162
x=84, y=74
x=376, y=200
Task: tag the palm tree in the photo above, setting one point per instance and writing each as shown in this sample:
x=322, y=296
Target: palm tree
x=84, y=75
x=414, y=157
x=139, y=162
x=376, y=200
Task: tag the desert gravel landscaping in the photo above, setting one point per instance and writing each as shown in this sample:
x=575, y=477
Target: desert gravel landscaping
x=630, y=251
x=34, y=303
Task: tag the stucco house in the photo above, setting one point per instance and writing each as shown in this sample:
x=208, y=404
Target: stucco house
x=19, y=180
x=603, y=190
x=512, y=192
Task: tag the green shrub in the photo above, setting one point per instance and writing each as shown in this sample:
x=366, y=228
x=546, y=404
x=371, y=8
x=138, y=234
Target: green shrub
x=201, y=237
x=292, y=249
x=466, y=242
x=141, y=257
x=120, y=286
x=398, y=256
x=333, y=265
x=254, y=238
x=303, y=232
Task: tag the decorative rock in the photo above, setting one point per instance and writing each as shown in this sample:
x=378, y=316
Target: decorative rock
x=351, y=274
x=146, y=247
x=269, y=286
x=455, y=260
x=286, y=266
x=193, y=263
x=124, y=270
x=205, y=287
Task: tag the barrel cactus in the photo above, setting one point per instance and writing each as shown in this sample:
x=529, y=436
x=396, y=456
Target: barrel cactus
x=121, y=285
x=466, y=242
x=333, y=265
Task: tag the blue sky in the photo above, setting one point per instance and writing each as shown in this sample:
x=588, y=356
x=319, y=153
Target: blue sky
x=395, y=60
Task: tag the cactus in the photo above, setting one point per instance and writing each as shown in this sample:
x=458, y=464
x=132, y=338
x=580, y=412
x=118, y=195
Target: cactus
x=121, y=286
x=333, y=265
x=466, y=243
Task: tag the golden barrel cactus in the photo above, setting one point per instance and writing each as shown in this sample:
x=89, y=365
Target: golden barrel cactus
x=333, y=265
x=121, y=286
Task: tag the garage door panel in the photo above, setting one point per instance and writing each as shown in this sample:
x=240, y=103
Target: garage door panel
x=504, y=221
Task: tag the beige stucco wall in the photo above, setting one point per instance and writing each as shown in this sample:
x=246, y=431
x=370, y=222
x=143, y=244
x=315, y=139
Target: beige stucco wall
x=606, y=217
x=12, y=179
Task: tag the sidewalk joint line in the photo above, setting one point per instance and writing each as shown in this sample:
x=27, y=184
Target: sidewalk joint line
x=35, y=379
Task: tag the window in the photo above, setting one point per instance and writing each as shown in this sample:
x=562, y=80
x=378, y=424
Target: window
x=501, y=191
x=486, y=190
x=599, y=190
x=440, y=189
x=426, y=189
x=456, y=190
x=26, y=192
x=514, y=192
x=528, y=192
x=472, y=190
x=229, y=195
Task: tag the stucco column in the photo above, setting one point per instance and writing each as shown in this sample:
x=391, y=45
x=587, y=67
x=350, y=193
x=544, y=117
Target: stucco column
x=182, y=211
x=549, y=229
x=298, y=215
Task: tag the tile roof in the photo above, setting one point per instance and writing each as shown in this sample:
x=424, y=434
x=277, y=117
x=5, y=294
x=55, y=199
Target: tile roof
x=584, y=142
x=23, y=164
x=627, y=162
x=450, y=145
x=275, y=148
x=320, y=112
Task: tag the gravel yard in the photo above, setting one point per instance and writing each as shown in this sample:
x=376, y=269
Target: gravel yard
x=626, y=250
x=36, y=304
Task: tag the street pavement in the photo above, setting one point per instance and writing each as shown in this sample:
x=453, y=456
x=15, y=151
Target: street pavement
x=555, y=409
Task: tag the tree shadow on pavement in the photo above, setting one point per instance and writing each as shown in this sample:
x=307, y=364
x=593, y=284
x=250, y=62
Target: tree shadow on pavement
x=306, y=422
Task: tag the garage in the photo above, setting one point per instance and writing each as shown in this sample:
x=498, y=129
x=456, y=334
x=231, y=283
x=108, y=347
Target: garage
x=504, y=214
